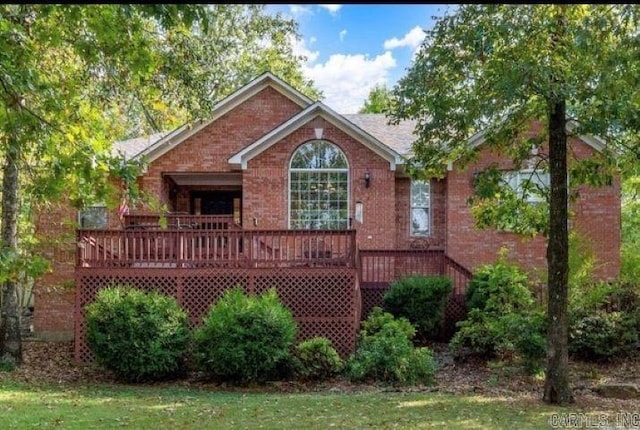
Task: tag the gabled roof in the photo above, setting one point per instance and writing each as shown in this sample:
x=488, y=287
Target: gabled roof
x=179, y=135
x=318, y=109
x=398, y=137
x=132, y=147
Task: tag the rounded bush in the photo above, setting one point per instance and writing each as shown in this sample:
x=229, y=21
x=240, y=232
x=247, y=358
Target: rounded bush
x=421, y=300
x=603, y=336
x=139, y=336
x=386, y=353
x=498, y=289
x=245, y=338
x=317, y=359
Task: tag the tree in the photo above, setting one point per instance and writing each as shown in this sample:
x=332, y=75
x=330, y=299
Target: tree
x=74, y=78
x=496, y=68
x=378, y=101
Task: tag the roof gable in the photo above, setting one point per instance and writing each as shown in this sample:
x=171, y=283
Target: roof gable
x=318, y=109
x=227, y=104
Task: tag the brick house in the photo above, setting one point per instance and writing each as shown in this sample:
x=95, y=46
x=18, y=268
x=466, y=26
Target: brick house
x=276, y=190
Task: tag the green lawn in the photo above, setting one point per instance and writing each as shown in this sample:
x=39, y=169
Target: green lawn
x=148, y=407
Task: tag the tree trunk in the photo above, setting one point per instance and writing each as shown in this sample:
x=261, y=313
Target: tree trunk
x=557, y=389
x=10, y=335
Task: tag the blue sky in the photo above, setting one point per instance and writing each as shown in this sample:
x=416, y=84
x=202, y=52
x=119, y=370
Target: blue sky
x=352, y=47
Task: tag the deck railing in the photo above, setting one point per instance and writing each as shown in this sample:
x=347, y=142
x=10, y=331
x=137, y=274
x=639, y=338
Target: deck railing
x=141, y=221
x=215, y=248
x=385, y=266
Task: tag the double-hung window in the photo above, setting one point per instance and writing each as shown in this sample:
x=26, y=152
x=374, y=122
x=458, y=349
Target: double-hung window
x=420, y=208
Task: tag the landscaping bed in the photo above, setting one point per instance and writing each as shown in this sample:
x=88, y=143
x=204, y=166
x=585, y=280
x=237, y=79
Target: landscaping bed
x=52, y=363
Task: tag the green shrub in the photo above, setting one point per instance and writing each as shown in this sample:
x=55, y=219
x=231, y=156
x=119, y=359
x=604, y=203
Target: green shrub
x=498, y=289
x=603, y=336
x=503, y=321
x=317, y=359
x=386, y=353
x=137, y=335
x=421, y=300
x=245, y=338
x=379, y=320
x=7, y=366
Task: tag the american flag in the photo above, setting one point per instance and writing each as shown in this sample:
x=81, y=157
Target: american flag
x=123, y=209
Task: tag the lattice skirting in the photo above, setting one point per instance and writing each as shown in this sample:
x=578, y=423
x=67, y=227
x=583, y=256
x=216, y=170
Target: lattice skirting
x=324, y=302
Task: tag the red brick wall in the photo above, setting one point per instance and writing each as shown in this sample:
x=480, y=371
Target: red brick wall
x=210, y=148
x=596, y=217
x=403, y=216
x=265, y=186
x=54, y=292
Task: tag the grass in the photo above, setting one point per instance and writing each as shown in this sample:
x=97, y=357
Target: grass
x=149, y=407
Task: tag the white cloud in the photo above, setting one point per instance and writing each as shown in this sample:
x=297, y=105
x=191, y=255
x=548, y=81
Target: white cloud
x=300, y=48
x=298, y=10
x=343, y=33
x=346, y=80
x=412, y=40
x=332, y=8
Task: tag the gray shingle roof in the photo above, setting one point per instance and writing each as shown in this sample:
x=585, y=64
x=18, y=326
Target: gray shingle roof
x=132, y=147
x=397, y=137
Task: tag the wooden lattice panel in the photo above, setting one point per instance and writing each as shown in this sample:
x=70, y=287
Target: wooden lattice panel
x=312, y=292
x=455, y=311
x=325, y=302
x=372, y=294
x=200, y=291
x=341, y=332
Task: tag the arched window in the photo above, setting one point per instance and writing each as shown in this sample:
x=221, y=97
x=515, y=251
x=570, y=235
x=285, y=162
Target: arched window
x=319, y=187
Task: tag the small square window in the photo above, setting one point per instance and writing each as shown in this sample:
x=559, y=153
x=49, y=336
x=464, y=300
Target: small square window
x=94, y=218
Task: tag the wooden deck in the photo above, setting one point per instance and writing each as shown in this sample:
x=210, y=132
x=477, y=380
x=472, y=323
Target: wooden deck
x=150, y=247
x=321, y=275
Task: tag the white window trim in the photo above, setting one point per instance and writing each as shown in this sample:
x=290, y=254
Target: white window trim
x=347, y=170
x=525, y=174
x=411, y=207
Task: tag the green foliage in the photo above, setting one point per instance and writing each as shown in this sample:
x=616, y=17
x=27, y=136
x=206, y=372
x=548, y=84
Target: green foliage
x=582, y=263
x=379, y=100
x=603, y=336
x=486, y=72
x=421, y=300
x=386, y=353
x=137, y=335
x=499, y=288
x=7, y=366
x=630, y=253
x=495, y=205
x=317, y=359
x=379, y=320
x=245, y=338
x=503, y=320
x=604, y=321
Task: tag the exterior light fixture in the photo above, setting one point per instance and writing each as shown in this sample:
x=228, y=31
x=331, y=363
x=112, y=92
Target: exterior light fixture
x=367, y=178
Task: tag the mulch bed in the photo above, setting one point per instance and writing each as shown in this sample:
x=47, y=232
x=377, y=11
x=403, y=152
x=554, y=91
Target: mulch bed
x=52, y=363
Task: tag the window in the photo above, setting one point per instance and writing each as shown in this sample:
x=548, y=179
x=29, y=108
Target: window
x=319, y=187
x=94, y=217
x=420, y=207
x=532, y=183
